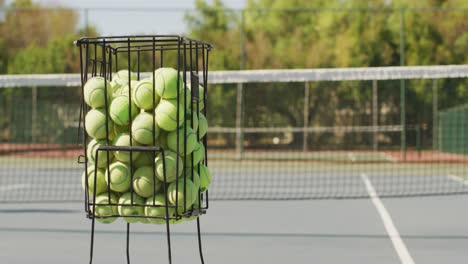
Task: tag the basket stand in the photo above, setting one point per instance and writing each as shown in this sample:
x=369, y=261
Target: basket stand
x=168, y=236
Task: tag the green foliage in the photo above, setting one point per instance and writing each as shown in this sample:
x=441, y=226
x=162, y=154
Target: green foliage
x=29, y=60
x=279, y=34
x=3, y=57
x=218, y=26
x=23, y=4
x=57, y=57
x=326, y=34
x=37, y=41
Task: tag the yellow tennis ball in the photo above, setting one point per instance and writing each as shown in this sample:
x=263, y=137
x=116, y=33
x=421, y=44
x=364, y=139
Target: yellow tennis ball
x=192, y=120
x=120, y=78
x=119, y=110
x=125, y=89
x=166, y=85
x=142, y=129
x=131, y=214
x=182, y=193
x=202, y=125
x=170, y=159
x=142, y=95
x=198, y=155
x=156, y=209
x=106, y=210
x=121, y=129
x=145, y=183
x=94, y=92
x=196, y=205
x=118, y=177
x=115, y=86
x=192, y=174
x=187, y=140
x=205, y=178
x=145, y=158
x=166, y=115
x=93, y=145
x=162, y=139
x=123, y=140
x=201, y=94
x=112, y=135
x=96, y=123
x=101, y=185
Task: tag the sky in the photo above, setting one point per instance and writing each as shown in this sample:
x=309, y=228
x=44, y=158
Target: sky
x=123, y=17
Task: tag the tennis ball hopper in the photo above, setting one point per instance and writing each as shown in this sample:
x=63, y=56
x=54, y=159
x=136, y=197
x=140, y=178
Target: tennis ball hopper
x=137, y=90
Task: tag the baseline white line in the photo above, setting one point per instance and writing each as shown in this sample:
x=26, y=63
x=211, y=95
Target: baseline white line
x=392, y=232
x=458, y=179
x=351, y=156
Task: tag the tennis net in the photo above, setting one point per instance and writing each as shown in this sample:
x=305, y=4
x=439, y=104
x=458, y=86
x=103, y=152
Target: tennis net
x=274, y=134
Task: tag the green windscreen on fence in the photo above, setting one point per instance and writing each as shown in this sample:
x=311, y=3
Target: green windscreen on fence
x=453, y=126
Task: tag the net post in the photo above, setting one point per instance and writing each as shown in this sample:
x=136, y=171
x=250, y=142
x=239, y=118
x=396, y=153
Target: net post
x=375, y=115
x=239, y=115
x=435, y=114
x=306, y=115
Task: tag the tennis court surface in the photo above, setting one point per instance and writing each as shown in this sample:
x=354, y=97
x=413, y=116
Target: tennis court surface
x=286, y=214
x=430, y=230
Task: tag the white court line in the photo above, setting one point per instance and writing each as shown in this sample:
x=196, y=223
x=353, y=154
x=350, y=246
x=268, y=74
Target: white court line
x=458, y=179
x=392, y=232
x=351, y=156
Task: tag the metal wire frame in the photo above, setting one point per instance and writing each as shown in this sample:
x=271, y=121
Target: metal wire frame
x=99, y=59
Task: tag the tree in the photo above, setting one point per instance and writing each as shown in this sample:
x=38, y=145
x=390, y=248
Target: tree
x=34, y=39
x=37, y=39
x=318, y=34
x=27, y=23
x=218, y=26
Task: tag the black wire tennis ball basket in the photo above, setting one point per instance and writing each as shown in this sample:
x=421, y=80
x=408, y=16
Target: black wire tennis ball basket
x=143, y=118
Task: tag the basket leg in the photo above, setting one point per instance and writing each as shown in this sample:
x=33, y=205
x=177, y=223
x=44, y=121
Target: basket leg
x=128, y=243
x=200, y=248
x=91, y=250
x=168, y=233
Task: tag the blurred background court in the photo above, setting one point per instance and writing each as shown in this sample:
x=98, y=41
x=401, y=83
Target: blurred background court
x=303, y=160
